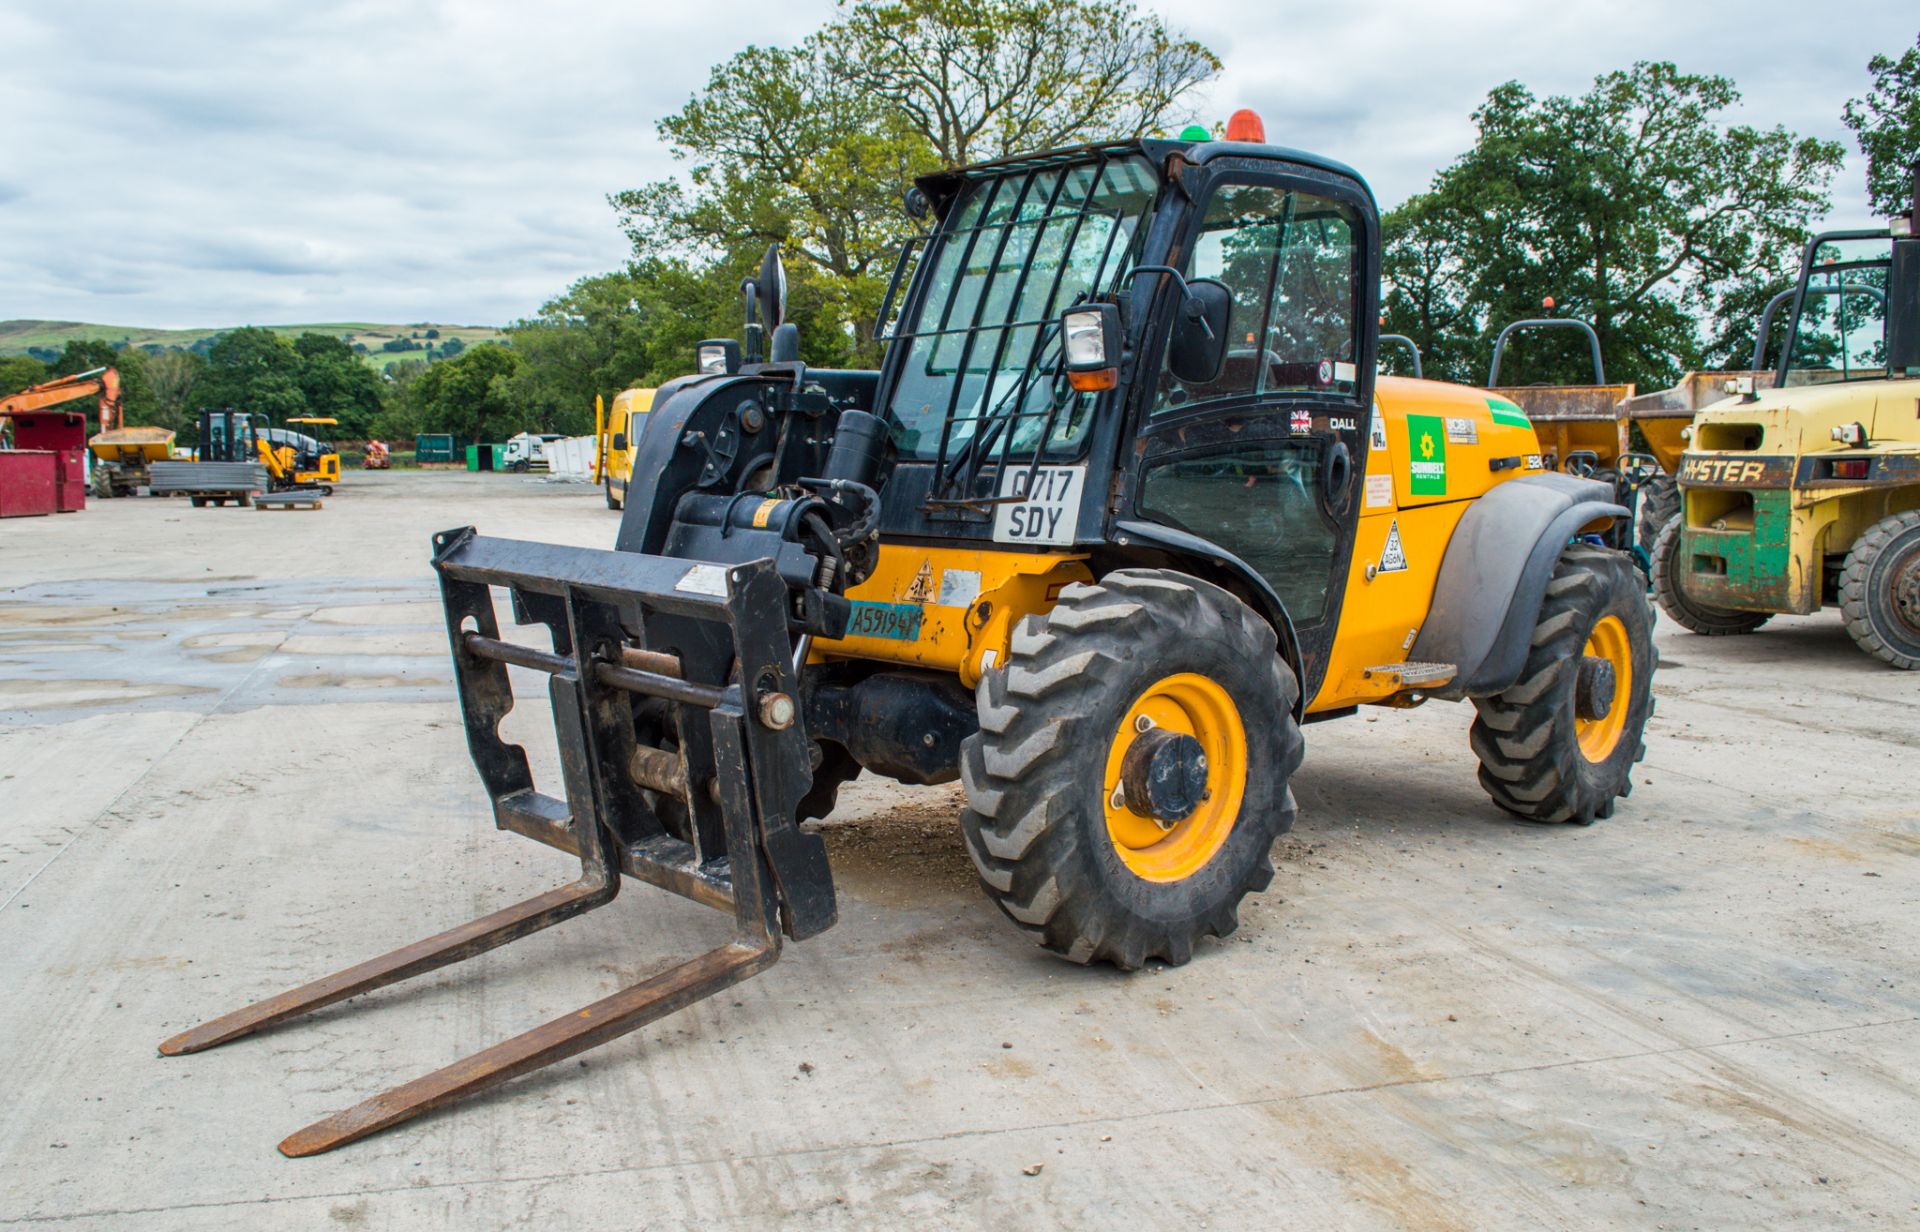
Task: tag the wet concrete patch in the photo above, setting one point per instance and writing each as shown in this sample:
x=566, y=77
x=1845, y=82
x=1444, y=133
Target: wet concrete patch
x=70, y=694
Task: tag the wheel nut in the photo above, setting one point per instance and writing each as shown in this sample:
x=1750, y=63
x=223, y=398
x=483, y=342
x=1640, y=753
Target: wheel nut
x=776, y=711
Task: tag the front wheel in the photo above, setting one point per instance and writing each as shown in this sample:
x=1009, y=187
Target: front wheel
x=1880, y=590
x=1130, y=773
x=1559, y=744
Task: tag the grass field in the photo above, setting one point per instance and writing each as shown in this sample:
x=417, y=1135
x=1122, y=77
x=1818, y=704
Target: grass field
x=18, y=337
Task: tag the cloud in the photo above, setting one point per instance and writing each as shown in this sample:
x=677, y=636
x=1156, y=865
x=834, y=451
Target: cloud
x=214, y=161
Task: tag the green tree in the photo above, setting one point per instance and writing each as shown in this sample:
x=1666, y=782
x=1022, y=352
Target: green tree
x=1886, y=123
x=468, y=396
x=175, y=378
x=979, y=79
x=1631, y=205
x=253, y=369
x=17, y=372
x=335, y=384
x=138, y=405
x=813, y=146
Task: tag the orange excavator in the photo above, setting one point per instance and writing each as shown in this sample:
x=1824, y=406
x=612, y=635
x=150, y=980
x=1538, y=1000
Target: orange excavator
x=101, y=382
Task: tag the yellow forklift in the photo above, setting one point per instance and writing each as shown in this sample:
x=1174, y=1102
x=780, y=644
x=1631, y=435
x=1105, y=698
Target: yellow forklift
x=1807, y=494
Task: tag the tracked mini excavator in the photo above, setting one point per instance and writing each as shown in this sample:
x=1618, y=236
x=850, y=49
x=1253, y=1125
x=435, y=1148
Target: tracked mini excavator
x=1123, y=509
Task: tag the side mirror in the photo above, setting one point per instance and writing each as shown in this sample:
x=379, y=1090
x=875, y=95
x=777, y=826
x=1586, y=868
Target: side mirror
x=770, y=288
x=1197, y=351
x=619, y=442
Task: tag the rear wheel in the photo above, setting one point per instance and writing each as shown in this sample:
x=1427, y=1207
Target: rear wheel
x=613, y=502
x=1560, y=743
x=1130, y=772
x=1880, y=590
x=1683, y=611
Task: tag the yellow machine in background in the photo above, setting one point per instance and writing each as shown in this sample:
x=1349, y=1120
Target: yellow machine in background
x=121, y=457
x=615, y=432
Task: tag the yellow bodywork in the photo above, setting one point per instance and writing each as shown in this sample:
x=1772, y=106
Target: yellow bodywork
x=1384, y=609
x=627, y=416
x=133, y=446
x=1763, y=517
x=1465, y=441
x=969, y=603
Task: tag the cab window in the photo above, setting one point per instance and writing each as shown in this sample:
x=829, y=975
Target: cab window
x=1289, y=259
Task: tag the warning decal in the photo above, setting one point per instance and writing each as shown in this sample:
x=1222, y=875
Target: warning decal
x=920, y=589
x=1393, y=557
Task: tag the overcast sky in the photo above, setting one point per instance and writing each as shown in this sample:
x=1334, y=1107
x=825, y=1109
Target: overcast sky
x=214, y=162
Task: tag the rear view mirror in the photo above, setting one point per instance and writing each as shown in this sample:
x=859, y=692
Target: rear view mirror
x=1197, y=351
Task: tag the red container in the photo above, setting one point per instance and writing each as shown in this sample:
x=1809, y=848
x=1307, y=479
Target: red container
x=27, y=482
x=64, y=433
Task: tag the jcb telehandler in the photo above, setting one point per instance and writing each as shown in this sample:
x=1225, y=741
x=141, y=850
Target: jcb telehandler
x=1808, y=493
x=1123, y=508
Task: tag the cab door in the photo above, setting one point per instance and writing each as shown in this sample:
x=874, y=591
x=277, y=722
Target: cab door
x=1264, y=461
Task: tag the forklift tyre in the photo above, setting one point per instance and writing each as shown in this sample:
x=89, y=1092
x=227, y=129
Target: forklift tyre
x=1880, y=590
x=1659, y=504
x=1130, y=773
x=1559, y=744
x=1683, y=611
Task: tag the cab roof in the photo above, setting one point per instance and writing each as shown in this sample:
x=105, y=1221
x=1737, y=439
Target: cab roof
x=941, y=186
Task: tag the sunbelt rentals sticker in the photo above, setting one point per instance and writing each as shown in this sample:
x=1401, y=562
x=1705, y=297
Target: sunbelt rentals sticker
x=1426, y=455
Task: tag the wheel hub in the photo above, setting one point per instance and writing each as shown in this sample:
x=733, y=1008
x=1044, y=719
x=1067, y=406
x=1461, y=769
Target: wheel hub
x=1164, y=775
x=1593, y=694
x=1906, y=591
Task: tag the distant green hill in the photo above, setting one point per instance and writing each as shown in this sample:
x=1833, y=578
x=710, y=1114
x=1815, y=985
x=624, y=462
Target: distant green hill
x=25, y=337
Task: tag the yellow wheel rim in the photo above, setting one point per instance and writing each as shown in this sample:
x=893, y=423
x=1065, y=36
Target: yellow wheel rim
x=1195, y=706
x=1599, y=737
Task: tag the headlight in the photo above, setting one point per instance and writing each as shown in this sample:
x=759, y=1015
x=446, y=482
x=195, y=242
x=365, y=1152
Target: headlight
x=1086, y=339
x=716, y=357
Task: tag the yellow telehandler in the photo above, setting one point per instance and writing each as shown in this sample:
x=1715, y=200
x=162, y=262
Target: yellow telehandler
x=1123, y=510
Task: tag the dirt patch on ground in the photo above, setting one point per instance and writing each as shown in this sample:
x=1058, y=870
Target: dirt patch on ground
x=903, y=856
x=336, y=680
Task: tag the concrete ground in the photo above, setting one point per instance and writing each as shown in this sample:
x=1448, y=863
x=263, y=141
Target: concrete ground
x=230, y=760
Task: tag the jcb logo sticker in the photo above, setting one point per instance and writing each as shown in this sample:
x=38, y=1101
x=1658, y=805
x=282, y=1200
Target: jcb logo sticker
x=1734, y=472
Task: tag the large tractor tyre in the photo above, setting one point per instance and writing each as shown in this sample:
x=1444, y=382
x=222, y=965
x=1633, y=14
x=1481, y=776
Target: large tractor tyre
x=1659, y=505
x=1560, y=743
x=1130, y=772
x=1683, y=611
x=1880, y=590
x=613, y=502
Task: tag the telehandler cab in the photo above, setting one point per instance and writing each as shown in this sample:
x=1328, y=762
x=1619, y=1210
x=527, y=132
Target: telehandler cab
x=1123, y=508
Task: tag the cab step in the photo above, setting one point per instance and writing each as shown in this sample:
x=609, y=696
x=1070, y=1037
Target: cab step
x=1414, y=675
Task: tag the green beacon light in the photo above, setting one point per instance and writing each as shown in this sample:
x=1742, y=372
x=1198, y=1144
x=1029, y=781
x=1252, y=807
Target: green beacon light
x=1195, y=132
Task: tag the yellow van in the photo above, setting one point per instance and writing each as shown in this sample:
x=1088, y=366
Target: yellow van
x=620, y=430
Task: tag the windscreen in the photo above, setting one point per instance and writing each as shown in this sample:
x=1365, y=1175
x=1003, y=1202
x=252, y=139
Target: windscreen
x=1842, y=329
x=982, y=372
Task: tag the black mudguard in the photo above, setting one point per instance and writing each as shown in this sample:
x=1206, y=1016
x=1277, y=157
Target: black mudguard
x=1495, y=574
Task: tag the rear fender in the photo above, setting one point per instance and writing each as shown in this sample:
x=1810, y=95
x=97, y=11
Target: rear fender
x=1495, y=573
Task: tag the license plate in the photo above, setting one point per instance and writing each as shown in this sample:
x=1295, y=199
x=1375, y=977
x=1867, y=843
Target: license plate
x=898, y=622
